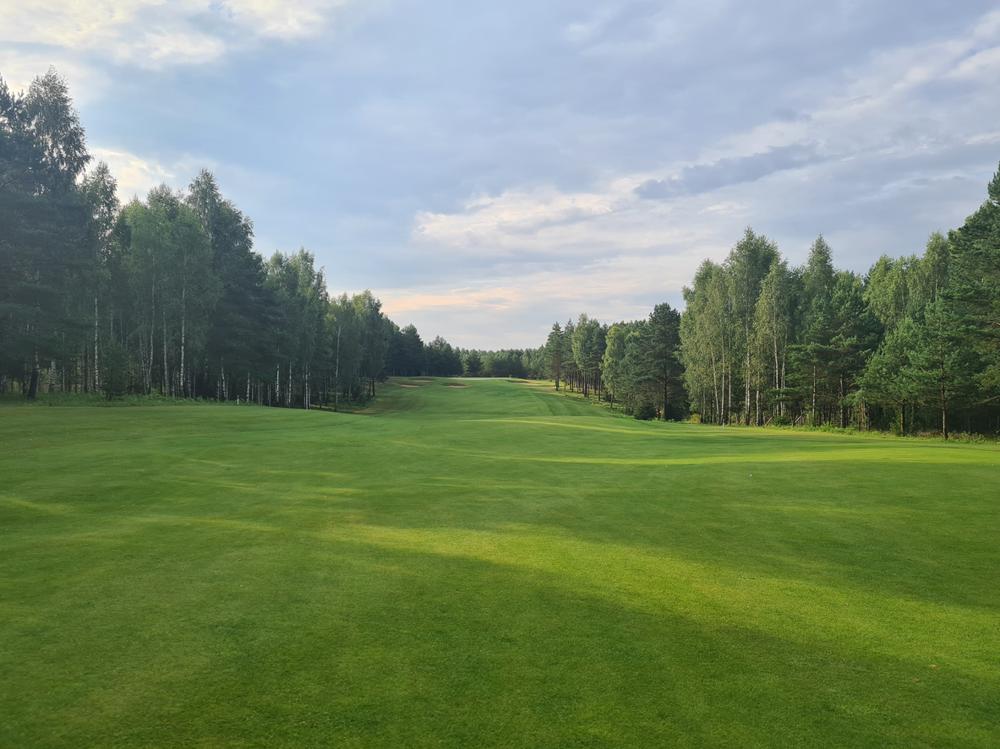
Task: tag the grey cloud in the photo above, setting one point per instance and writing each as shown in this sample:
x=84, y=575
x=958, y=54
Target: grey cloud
x=733, y=171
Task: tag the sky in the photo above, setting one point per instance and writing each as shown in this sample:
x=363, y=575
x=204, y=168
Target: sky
x=489, y=168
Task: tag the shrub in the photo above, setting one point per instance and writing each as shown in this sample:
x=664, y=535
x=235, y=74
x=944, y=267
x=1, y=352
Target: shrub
x=114, y=376
x=645, y=412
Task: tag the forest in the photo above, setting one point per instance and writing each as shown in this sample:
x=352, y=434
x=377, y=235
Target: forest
x=912, y=346
x=167, y=295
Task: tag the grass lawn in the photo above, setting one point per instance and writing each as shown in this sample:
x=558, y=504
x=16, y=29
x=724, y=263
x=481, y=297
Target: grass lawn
x=489, y=566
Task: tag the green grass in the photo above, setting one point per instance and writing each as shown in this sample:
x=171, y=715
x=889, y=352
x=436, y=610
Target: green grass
x=489, y=566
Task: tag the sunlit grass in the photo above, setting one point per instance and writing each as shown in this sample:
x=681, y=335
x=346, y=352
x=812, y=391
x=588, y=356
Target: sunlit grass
x=492, y=565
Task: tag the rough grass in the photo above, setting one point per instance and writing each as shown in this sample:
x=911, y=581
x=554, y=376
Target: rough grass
x=489, y=566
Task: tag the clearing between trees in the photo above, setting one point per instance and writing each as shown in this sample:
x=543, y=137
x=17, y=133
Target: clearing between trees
x=490, y=565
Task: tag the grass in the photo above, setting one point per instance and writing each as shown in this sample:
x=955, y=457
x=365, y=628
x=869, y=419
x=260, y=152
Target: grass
x=489, y=566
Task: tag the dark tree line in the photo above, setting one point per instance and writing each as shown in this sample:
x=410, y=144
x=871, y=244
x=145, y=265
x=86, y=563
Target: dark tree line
x=912, y=345
x=166, y=295
x=517, y=363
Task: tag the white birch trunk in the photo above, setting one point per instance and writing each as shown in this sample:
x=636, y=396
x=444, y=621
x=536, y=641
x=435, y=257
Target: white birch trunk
x=336, y=374
x=183, y=337
x=97, y=369
x=165, y=379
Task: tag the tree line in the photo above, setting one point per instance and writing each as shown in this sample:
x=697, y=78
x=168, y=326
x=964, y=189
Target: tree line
x=166, y=294
x=913, y=345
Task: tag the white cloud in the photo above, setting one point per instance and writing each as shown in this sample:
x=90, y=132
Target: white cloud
x=515, y=311
x=282, y=19
x=136, y=174
x=545, y=223
x=511, y=220
x=159, y=33
x=85, y=82
x=985, y=63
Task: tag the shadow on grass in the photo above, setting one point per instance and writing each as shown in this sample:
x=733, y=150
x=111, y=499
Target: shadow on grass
x=370, y=639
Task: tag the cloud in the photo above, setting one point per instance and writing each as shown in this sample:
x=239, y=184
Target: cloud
x=86, y=82
x=514, y=311
x=281, y=19
x=545, y=225
x=730, y=171
x=985, y=63
x=134, y=174
x=871, y=156
x=512, y=219
x=137, y=174
x=155, y=34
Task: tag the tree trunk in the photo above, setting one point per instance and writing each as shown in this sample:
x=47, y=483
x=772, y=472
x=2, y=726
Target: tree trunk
x=746, y=376
x=843, y=407
x=164, y=382
x=944, y=415
x=729, y=399
x=97, y=369
x=715, y=387
x=781, y=387
x=183, y=336
x=336, y=375
x=812, y=416
x=33, y=380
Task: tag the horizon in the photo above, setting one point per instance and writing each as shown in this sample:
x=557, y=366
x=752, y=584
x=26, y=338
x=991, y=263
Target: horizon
x=563, y=176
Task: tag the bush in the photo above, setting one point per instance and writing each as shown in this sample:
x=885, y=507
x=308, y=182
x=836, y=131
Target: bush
x=645, y=412
x=114, y=374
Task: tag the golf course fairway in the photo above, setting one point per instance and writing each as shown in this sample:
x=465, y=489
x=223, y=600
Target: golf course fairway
x=488, y=563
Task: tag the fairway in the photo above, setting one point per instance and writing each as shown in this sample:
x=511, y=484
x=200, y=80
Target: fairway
x=494, y=565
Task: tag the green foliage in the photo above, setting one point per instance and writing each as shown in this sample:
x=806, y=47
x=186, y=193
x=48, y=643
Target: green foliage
x=587, y=342
x=442, y=359
x=472, y=364
x=645, y=412
x=173, y=279
x=974, y=286
x=115, y=380
x=554, y=348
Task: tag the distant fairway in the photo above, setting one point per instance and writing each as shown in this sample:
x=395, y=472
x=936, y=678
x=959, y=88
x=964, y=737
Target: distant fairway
x=489, y=566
